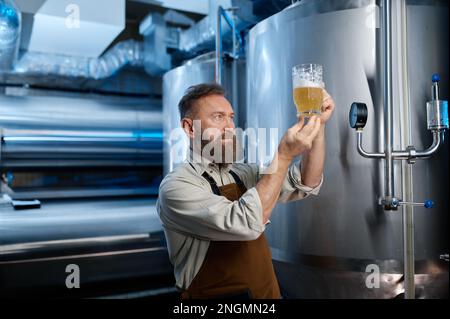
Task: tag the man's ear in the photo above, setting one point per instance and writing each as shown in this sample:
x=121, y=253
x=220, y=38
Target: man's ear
x=188, y=126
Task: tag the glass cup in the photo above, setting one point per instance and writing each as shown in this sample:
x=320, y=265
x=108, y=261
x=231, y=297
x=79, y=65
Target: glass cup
x=308, y=87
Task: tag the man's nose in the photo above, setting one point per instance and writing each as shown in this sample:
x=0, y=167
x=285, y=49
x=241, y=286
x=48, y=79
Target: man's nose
x=230, y=123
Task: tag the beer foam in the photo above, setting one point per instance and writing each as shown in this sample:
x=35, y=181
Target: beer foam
x=300, y=83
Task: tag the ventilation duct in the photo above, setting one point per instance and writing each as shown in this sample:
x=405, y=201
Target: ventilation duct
x=10, y=22
x=123, y=53
x=155, y=32
x=151, y=53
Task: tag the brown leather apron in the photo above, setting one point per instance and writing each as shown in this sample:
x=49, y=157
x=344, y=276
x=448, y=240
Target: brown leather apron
x=234, y=269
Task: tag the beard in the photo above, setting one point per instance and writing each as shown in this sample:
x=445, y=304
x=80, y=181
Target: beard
x=223, y=149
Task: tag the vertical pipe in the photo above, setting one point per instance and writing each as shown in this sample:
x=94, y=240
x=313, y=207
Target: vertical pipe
x=435, y=91
x=387, y=100
x=233, y=34
x=1, y=142
x=408, y=236
x=234, y=79
x=218, y=71
x=408, y=210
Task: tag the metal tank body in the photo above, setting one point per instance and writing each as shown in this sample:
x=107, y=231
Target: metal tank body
x=176, y=81
x=324, y=246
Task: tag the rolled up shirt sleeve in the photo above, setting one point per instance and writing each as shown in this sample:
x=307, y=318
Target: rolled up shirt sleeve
x=293, y=189
x=188, y=208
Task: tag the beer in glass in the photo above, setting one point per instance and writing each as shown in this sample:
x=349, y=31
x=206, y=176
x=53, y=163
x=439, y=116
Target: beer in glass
x=307, y=86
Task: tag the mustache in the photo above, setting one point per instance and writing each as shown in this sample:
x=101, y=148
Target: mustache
x=214, y=134
x=225, y=136
x=229, y=134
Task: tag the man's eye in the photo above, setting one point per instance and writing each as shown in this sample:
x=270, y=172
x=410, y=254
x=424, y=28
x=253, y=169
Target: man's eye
x=218, y=117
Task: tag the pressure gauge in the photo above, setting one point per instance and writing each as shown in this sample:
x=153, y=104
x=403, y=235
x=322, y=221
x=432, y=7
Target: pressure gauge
x=358, y=115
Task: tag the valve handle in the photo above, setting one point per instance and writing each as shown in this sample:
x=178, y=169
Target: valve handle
x=436, y=78
x=428, y=203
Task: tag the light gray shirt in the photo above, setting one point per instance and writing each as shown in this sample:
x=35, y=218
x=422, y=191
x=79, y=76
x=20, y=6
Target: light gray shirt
x=192, y=215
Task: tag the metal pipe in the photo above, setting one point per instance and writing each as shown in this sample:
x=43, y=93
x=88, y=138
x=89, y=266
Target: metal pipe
x=235, y=34
x=362, y=151
x=387, y=100
x=231, y=23
x=401, y=155
x=68, y=139
x=37, y=132
x=218, y=66
x=234, y=80
x=407, y=175
x=406, y=203
x=233, y=30
x=70, y=243
x=408, y=249
x=435, y=92
x=437, y=142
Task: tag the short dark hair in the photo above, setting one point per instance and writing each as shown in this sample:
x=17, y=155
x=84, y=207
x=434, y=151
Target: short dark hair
x=196, y=92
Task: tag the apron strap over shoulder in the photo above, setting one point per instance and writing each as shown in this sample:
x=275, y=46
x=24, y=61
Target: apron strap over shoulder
x=238, y=181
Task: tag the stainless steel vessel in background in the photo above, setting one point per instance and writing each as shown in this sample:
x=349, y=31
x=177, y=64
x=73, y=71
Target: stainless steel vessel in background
x=328, y=246
x=48, y=132
x=86, y=158
x=176, y=81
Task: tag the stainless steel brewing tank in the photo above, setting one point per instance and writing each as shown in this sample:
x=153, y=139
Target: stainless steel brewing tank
x=176, y=81
x=324, y=246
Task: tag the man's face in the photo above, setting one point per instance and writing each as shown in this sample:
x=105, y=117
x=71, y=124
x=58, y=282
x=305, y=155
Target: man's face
x=216, y=117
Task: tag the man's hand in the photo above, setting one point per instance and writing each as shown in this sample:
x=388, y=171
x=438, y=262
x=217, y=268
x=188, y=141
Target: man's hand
x=327, y=107
x=299, y=138
x=313, y=161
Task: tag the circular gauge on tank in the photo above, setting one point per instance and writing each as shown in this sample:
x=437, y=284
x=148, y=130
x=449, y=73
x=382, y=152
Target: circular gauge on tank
x=358, y=115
